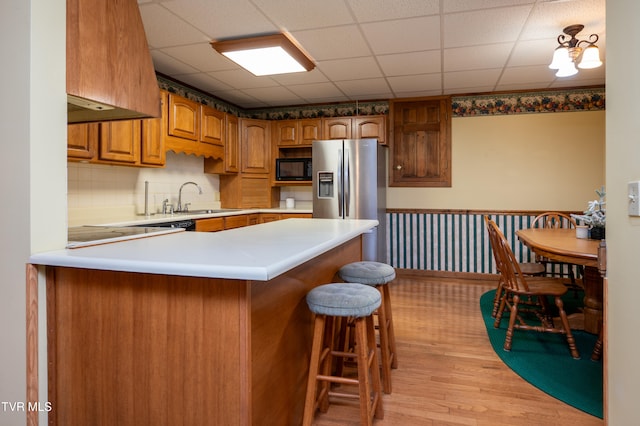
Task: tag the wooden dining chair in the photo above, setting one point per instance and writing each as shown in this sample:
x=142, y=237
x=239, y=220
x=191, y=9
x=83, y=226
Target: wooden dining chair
x=527, y=268
x=555, y=220
x=519, y=288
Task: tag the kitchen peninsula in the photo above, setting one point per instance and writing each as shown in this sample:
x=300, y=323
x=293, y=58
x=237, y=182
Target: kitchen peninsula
x=189, y=327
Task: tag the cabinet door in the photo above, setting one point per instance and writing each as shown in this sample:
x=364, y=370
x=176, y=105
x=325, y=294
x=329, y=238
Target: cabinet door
x=120, y=141
x=310, y=129
x=286, y=132
x=212, y=224
x=212, y=128
x=255, y=146
x=373, y=127
x=231, y=146
x=336, y=128
x=82, y=141
x=269, y=217
x=152, y=150
x=231, y=222
x=421, y=143
x=183, y=117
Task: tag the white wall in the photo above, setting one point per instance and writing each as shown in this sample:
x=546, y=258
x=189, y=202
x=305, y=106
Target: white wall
x=552, y=161
x=32, y=170
x=623, y=232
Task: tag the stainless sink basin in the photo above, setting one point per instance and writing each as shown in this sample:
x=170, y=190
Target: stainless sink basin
x=208, y=211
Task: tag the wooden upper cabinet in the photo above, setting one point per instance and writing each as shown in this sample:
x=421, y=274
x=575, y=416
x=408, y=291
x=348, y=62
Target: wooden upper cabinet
x=212, y=125
x=374, y=127
x=152, y=150
x=232, y=145
x=183, y=117
x=120, y=141
x=82, y=141
x=337, y=128
x=421, y=142
x=255, y=146
x=297, y=132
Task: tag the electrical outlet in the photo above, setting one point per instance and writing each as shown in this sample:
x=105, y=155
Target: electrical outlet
x=634, y=198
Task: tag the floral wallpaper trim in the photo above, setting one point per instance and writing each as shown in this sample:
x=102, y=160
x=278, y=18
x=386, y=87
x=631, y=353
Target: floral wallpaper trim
x=569, y=100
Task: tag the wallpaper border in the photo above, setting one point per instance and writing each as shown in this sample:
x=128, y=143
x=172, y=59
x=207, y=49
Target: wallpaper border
x=533, y=102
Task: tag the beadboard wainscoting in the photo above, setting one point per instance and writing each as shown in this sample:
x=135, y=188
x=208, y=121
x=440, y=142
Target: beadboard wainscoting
x=454, y=241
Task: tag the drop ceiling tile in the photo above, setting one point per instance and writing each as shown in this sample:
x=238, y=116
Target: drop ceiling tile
x=379, y=10
x=201, y=56
x=467, y=79
x=549, y=18
x=465, y=5
x=366, y=87
x=203, y=80
x=164, y=29
x=241, y=79
x=532, y=52
x=299, y=78
x=169, y=65
x=410, y=63
x=239, y=97
x=350, y=69
x=484, y=26
x=403, y=35
x=333, y=43
x=277, y=95
x=316, y=91
x=222, y=18
x=477, y=57
x=530, y=74
x=293, y=15
x=422, y=82
x=418, y=93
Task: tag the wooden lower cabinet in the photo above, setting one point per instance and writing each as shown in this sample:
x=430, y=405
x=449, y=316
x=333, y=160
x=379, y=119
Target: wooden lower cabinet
x=151, y=349
x=212, y=224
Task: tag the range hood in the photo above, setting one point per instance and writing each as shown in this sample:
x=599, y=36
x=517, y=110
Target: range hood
x=110, y=74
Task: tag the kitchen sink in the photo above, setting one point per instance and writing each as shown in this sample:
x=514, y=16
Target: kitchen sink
x=208, y=211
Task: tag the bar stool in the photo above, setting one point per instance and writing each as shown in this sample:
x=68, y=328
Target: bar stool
x=330, y=302
x=378, y=275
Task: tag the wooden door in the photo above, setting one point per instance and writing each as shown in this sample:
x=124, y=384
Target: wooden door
x=82, y=141
x=255, y=146
x=212, y=126
x=183, y=117
x=336, y=128
x=286, y=132
x=231, y=147
x=152, y=150
x=372, y=127
x=310, y=129
x=120, y=141
x=421, y=144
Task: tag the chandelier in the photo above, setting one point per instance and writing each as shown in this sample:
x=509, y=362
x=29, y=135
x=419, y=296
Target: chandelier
x=569, y=52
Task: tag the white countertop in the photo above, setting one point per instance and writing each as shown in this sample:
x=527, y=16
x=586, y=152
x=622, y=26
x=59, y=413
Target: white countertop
x=258, y=252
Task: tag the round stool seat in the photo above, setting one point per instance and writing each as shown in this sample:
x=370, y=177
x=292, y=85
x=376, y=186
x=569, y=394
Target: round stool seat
x=367, y=272
x=344, y=300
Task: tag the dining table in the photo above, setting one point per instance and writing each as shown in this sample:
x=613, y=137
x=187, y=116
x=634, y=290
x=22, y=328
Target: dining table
x=562, y=245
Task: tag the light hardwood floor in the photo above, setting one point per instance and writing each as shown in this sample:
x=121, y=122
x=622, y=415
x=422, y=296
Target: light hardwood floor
x=448, y=372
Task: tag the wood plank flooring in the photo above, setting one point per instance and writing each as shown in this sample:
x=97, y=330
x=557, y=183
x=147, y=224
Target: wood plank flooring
x=448, y=372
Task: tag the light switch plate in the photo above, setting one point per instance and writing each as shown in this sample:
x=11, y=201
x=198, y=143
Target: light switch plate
x=634, y=198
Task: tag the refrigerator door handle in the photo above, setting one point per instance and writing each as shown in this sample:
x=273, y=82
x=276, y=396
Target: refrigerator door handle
x=339, y=176
x=347, y=183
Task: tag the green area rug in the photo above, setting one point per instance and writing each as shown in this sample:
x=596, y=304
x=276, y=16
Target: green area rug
x=543, y=359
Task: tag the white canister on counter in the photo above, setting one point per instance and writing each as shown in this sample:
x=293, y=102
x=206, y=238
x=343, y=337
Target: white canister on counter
x=582, y=231
x=290, y=203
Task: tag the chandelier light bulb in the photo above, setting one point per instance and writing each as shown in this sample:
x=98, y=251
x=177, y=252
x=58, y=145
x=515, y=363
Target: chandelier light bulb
x=590, y=58
x=560, y=58
x=567, y=70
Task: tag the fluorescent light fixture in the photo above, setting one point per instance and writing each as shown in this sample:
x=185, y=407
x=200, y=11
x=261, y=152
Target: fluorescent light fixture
x=265, y=55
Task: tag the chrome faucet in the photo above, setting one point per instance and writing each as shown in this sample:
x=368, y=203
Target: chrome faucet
x=179, y=208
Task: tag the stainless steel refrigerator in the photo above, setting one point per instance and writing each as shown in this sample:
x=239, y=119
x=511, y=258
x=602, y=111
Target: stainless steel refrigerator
x=349, y=182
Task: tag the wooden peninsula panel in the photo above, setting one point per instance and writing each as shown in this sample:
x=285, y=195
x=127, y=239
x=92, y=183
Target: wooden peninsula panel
x=132, y=348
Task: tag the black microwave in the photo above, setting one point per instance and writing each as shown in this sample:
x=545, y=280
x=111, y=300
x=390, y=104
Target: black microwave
x=293, y=169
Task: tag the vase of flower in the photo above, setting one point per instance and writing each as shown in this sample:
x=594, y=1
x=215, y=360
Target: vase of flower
x=597, y=233
x=594, y=217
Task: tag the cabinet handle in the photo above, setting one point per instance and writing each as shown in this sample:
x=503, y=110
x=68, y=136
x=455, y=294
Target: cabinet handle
x=398, y=167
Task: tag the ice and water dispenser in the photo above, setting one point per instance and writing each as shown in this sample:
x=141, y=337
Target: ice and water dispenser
x=325, y=184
